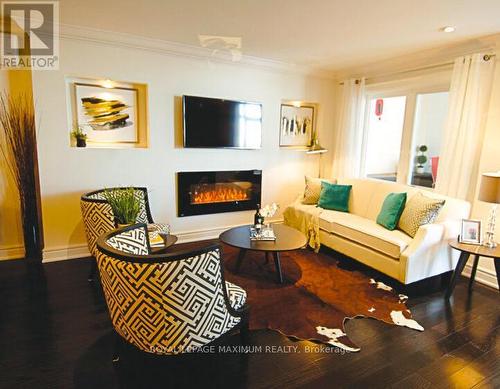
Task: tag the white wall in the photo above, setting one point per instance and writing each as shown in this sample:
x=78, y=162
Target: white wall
x=66, y=173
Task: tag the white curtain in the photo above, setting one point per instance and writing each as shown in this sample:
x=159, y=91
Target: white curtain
x=349, y=136
x=464, y=129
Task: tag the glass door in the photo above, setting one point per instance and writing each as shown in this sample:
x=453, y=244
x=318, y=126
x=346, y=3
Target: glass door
x=428, y=125
x=383, y=135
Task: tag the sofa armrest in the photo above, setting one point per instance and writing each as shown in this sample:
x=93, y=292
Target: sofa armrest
x=429, y=253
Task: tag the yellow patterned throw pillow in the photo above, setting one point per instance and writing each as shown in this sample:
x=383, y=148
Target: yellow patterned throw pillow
x=419, y=210
x=313, y=190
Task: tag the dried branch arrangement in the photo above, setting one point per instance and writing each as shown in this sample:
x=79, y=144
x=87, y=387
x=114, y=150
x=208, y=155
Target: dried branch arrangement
x=19, y=150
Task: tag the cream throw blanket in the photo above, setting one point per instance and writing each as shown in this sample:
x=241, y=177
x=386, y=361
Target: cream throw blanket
x=305, y=221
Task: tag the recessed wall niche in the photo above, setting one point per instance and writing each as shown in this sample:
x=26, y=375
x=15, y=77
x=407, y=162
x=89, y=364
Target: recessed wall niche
x=107, y=114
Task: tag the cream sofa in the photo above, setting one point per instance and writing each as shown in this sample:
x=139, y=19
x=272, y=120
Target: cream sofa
x=357, y=235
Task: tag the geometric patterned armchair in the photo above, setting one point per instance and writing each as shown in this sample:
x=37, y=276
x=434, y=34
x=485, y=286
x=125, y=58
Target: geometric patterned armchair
x=98, y=218
x=167, y=303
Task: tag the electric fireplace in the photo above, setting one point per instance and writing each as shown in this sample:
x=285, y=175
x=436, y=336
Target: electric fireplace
x=201, y=193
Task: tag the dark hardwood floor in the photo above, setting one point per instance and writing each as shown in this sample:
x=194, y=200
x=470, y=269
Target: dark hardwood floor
x=55, y=333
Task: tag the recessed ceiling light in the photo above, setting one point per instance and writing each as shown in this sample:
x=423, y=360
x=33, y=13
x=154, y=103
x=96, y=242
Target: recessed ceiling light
x=108, y=84
x=448, y=29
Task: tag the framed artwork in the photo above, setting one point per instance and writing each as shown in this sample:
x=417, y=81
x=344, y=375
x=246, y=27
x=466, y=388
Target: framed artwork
x=470, y=231
x=109, y=113
x=296, y=125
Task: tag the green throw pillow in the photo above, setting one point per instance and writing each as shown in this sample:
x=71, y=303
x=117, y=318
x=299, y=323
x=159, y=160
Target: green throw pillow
x=334, y=197
x=391, y=211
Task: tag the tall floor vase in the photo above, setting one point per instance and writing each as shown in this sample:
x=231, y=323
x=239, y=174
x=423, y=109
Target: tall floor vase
x=19, y=149
x=32, y=225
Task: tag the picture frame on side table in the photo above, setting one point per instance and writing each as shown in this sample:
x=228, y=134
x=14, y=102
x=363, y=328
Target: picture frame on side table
x=112, y=114
x=470, y=232
x=297, y=121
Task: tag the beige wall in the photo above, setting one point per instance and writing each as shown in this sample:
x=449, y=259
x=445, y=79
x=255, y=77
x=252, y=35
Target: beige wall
x=11, y=241
x=66, y=173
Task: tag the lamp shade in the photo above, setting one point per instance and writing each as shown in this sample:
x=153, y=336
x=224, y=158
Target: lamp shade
x=490, y=188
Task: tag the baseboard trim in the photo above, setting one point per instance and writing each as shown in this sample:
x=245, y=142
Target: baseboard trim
x=64, y=253
x=81, y=251
x=484, y=276
x=209, y=233
x=14, y=252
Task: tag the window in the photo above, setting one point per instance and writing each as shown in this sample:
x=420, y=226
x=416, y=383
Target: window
x=403, y=130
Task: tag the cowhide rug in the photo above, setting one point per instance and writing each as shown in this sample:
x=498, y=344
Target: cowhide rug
x=316, y=298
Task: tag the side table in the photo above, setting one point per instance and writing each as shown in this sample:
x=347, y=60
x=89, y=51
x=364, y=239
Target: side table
x=466, y=250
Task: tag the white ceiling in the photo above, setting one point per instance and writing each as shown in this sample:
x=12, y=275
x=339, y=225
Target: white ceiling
x=326, y=34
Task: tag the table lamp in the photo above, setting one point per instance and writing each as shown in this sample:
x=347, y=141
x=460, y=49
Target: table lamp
x=490, y=193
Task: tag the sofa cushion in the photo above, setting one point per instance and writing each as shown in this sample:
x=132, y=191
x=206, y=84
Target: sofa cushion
x=418, y=211
x=334, y=197
x=380, y=193
x=367, y=196
x=362, y=192
x=365, y=231
x=391, y=210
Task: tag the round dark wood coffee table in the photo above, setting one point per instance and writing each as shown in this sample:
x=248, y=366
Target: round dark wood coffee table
x=287, y=239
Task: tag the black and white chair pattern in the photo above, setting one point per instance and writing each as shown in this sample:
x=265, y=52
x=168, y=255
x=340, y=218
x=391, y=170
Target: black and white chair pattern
x=167, y=304
x=98, y=218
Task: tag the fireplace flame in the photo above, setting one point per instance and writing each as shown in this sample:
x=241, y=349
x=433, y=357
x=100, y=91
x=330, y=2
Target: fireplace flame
x=218, y=194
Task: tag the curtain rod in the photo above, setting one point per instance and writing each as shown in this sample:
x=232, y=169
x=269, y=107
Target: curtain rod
x=486, y=57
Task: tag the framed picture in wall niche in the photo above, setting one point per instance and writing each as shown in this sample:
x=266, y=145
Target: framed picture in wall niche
x=296, y=125
x=110, y=114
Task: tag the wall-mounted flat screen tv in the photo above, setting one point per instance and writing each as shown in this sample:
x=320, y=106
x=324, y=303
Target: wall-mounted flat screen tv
x=218, y=123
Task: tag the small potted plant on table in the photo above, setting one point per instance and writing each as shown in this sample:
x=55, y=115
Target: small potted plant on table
x=80, y=137
x=125, y=205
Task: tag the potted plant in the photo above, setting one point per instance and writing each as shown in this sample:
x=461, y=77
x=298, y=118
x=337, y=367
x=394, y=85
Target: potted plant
x=125, y=205
x=80, y=136
x=421, y=159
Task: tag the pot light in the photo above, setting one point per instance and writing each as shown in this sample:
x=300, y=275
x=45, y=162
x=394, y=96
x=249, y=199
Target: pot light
x=108, y=84
x=448, y=29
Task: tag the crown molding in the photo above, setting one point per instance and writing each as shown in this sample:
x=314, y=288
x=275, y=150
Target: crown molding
x=169, y=48
x=418, y=60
